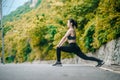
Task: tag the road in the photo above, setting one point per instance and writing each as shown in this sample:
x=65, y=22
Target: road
x=48, y=72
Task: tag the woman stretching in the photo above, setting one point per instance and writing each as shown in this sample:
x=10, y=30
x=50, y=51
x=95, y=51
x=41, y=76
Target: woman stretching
x=70, y=36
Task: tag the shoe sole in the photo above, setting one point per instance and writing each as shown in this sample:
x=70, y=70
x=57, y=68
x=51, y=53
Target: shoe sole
x=57, y=65
x=100, y=64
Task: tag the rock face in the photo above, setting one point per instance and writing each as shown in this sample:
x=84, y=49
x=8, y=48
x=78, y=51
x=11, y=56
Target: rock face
x=110, y=52
x=33, y=3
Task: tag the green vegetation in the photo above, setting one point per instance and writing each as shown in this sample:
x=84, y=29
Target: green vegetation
x=36, y=33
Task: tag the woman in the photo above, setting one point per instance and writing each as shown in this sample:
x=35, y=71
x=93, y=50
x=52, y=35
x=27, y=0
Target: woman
x=70, y=36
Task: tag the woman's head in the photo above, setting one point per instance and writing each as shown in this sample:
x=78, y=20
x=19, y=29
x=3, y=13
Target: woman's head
x=72, y=23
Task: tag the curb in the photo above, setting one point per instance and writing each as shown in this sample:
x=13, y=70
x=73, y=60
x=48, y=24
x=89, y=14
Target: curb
x=107, y=69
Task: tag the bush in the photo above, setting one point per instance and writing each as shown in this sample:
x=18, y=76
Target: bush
x=89, y=37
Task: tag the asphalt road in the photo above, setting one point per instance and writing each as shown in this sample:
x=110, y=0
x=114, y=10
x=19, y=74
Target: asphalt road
x=48, y=72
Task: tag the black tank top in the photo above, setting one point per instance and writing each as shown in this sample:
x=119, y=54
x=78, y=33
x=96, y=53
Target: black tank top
x=71, y=37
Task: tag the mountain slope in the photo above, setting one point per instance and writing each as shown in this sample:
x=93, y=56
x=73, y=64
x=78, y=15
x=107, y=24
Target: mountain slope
x=35, y=35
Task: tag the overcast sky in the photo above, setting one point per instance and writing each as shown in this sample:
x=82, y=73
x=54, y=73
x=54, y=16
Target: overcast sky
x=11, y=5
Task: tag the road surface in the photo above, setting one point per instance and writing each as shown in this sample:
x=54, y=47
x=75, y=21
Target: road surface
x=48, y=72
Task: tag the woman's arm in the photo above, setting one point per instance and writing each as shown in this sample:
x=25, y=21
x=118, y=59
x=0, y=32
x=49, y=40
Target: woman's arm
x=64, y=39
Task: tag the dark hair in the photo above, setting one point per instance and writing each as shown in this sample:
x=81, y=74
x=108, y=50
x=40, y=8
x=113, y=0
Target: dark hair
x=74, y=23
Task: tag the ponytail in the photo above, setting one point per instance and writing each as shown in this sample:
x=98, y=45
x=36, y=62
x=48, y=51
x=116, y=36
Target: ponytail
x=74, y=23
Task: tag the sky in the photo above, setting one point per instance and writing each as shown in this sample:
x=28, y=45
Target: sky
x=11, y=5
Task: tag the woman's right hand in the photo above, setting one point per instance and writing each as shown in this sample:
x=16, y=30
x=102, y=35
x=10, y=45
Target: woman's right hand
x=58, y=46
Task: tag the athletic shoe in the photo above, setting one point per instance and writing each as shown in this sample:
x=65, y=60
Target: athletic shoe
x=100, y=63
x=59, y=64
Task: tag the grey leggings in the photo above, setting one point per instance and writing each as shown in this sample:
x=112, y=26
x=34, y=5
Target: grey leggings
x=73, y=48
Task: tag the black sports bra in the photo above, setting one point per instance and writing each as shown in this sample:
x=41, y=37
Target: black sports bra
x=71, y=37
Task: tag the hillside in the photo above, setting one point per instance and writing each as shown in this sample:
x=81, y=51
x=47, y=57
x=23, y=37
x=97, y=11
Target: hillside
x=35, y=35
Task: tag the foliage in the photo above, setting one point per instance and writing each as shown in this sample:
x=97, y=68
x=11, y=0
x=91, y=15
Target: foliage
x=89, y=37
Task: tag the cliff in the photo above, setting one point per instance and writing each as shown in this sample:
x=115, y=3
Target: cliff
x=110, y=52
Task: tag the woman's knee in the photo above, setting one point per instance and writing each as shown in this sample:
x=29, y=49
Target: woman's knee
x=58, y=48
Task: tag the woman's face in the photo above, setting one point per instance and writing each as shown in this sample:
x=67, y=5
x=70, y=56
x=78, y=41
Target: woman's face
x=69, y=24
